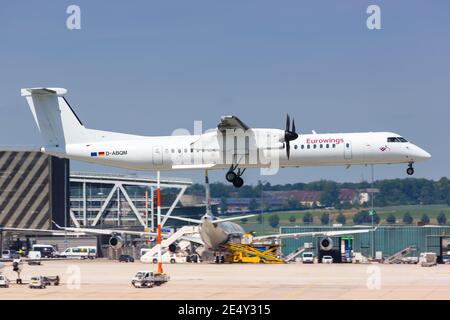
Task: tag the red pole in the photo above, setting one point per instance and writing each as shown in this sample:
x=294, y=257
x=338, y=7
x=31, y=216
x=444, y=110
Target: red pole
x=158, y=239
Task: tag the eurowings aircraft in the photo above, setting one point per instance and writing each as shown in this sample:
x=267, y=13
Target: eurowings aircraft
x=233, y=145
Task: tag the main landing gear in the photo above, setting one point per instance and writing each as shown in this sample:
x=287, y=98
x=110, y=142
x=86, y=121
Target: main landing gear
x=410, y=170
x=235, y=177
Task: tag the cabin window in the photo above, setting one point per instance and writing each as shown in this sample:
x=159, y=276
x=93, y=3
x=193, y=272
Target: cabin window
x=334, y=145
x=185, y=150
x=192, y=150
x=321, y=146
x=173, y=150
x=314, y=146
x=328, y=145
x=309, y=147
x=295, y=147
x=347, y=145
x=396, y=139
x=303, y=146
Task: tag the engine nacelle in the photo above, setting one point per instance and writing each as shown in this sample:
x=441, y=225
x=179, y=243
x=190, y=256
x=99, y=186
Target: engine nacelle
x=326, y=244
x=116, y=242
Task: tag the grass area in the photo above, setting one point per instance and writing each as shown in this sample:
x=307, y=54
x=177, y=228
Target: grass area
x=416, y=212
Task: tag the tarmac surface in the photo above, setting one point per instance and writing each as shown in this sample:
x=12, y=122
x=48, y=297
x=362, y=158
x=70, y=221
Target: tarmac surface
x=104, y=279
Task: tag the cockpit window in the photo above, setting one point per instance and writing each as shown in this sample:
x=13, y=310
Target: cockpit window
x=396, y=139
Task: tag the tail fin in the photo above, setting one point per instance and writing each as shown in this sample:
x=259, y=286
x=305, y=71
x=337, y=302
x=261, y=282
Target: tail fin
x=56, y=121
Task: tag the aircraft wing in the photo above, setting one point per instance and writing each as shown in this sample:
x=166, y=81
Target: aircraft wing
x=313, y=233
x=52, y=232
x=230, y=123
x=108, y=231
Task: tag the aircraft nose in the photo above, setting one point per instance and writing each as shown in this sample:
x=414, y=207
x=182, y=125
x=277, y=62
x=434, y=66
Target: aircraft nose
x=420, y=154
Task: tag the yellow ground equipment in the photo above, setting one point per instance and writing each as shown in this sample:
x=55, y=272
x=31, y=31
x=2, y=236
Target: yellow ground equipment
x=249, y=253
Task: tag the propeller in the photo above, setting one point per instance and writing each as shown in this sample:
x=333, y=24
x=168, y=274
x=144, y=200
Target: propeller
x=289, y=134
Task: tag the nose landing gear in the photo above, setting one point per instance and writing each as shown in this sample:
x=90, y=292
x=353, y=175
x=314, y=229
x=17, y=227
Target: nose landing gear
x=235, y=177
x=410, y=170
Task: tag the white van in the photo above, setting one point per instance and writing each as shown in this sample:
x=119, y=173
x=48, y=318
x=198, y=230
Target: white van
x=83, y=252
x=307, y=257
x=46, y=250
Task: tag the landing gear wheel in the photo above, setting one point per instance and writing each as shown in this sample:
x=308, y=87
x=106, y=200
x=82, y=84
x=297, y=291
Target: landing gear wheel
x=230, y=176
x=410, y=171
x=238, y=182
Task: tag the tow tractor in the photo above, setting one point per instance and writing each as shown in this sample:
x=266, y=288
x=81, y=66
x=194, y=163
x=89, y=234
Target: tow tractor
x=147, y=279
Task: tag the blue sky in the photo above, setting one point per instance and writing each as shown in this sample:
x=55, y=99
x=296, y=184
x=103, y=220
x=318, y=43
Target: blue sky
x=149, y=67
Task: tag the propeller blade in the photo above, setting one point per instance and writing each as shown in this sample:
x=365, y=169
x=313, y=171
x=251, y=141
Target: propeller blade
x=293, y=125
x=288, y=122
x=288, y=149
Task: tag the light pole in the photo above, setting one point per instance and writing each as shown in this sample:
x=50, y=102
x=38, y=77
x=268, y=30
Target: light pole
x=262, y=206
x=372, y=211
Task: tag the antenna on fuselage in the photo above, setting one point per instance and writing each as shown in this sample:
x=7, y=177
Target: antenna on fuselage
x=207, y=194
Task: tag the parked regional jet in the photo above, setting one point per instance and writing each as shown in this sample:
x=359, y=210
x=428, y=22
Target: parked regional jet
x=233, y=146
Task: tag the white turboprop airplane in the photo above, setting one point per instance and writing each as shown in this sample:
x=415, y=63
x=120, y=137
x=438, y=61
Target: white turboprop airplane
x=233, y=146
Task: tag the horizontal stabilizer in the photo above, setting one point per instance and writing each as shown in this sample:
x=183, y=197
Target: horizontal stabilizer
x=185, y=219
x=233, y=218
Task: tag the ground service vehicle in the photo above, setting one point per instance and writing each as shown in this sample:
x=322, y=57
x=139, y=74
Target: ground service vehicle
x=126, y=258
x=49, y=280
x=428, y=259
x=10, y=254
x=82, y=252
x=327, y=259
x=4, y=281
x=37, y=283
x=46, y=250
x=146, y=279
x=307, y=257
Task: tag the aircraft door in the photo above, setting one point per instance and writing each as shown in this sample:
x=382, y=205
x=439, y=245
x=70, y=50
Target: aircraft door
x=348, y=150
x=157, y=155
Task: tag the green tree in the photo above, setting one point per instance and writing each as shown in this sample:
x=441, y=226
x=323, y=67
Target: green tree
x=330, y=194
x=292, y=219
x=325, y=218
x=391, y=219
x=274, y=220
x=364, y=217
x=259, y=218
x=292, y=203
x=341, y=218
x=223, y=205
x=441, y=218
x=425, y=219
x=307, y=218
x=253, y=205
x=407, y=218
